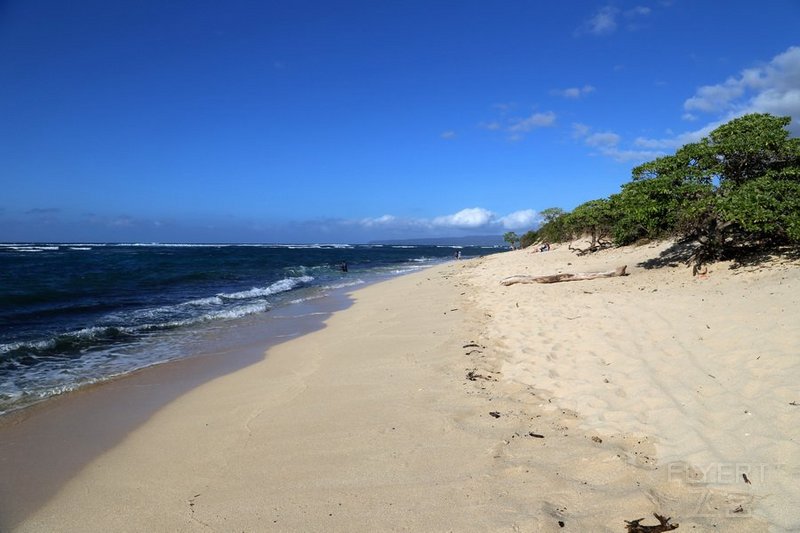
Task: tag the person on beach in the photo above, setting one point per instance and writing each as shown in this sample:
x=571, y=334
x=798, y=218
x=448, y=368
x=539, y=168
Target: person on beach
x=343, y=266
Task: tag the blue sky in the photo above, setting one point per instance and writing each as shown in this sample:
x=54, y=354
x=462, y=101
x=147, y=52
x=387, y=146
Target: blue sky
x=323, y=121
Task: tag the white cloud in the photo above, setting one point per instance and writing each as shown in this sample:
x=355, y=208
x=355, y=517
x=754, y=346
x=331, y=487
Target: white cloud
x=473, y=217
x=606, y=143
x=448, y=135
x=630, y=156
x=536, y=120
x=379, y=221
x=574, y=92
x=517, y=127
x=580, y=130
x=606, y=138
x=519, y=219
x=771, y=88
x=780, y=103
x=644, y=142
x=603, y=22
x=674, y=142
x=606, y=20
x=714, y=97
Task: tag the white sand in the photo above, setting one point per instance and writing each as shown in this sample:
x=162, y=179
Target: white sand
x=704, y=368
x=639, y=386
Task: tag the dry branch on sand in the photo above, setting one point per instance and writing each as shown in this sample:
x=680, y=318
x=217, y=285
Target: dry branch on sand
x=555, y=278
x=635, y=527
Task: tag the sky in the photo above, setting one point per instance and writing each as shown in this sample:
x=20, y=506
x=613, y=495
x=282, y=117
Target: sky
x=351, y=121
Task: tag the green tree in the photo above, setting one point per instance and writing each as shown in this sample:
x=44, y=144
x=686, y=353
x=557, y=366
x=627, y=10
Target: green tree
x=655, y=208
x=594, y=218
x=528, y=238
x=755, y=146
x=511, y=238
x=553, y=228
x=735, y=189
x=550, y=214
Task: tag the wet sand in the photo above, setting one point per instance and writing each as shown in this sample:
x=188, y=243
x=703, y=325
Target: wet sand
x=43, y=446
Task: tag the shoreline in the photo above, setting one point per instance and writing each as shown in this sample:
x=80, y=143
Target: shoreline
x=285, y=375
x=147, y=313
x=441, y=400
x=48, y=442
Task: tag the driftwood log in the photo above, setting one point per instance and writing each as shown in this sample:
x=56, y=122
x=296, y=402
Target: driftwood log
x=555, y=278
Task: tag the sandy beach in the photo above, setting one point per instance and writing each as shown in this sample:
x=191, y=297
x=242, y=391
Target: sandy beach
x=444, y=401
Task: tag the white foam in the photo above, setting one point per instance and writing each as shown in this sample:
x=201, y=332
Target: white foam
x=211, y=300
x=32, y=248
x=344, y=285
x=308, y=298
x=283, y=285
x=38, y=345
x=238, y=312
x=88, y=333
x=170, y=245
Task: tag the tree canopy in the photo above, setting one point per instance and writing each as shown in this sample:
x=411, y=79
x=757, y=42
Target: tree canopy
x=736, y=189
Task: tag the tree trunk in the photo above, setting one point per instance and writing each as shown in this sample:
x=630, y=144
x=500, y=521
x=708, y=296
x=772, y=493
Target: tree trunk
x=555, y=278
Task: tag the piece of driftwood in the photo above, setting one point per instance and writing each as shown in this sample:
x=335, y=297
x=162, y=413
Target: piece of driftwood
x=599, y=244
x=635, y=527
x=555, y=278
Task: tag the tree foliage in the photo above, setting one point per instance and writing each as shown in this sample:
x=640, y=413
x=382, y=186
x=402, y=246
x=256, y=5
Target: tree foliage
x=737, y=189
x=554, y=227
x=529, y=238
x=765, y=208
x=655, y=208
x=593, y=218
x=511, y=238
x=550, y=214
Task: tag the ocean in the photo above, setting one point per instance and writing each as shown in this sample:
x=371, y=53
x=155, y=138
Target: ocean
x=77, y=314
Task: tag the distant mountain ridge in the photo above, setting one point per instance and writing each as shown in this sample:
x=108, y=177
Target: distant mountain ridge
x=474, y=240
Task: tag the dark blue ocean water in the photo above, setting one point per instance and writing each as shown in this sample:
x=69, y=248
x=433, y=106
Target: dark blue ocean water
x=76, y=314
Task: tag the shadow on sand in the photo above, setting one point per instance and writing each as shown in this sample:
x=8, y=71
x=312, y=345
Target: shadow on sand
x=680, y=253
